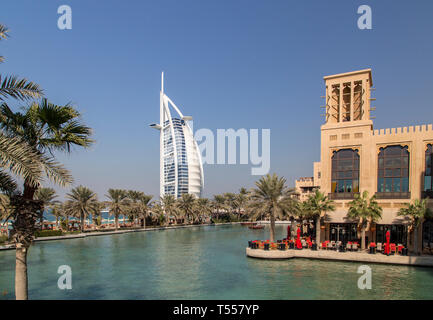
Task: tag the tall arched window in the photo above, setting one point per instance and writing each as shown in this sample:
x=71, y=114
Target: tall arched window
x=345, y=171
x=428, y=181
x=393, y=172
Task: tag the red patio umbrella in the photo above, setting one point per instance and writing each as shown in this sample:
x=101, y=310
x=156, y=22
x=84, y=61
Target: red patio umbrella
x=388, y=237
x=298, y=239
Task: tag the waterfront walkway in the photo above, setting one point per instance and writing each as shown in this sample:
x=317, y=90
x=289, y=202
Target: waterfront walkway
x=106, y=233
x=425, y=261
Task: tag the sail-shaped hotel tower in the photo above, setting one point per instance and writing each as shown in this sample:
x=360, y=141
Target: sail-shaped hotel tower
x=181, y=169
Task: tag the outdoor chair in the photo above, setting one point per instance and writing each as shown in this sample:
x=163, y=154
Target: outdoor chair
x=304, y=243
x=324, y=245
x=355, y=246
x=393, y=249
x=399, y=248
x=333, y=246
x=266, y=246
x=329, y=246
x=349, y=246
x=379, y=247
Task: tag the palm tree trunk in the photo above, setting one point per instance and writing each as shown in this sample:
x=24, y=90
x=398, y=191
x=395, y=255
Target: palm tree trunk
x=363, y=239
x=272, y=236
x=24, y=228
x=318, y=230
x=82, y=222
x=116, y=218
x=415, y=240
x=21, y=279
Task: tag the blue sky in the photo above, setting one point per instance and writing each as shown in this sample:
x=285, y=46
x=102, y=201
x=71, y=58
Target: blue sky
x=228, y=63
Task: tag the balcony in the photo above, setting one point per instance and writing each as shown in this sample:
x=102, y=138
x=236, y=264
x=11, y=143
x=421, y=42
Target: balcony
x=393, y=195
x=342, y=195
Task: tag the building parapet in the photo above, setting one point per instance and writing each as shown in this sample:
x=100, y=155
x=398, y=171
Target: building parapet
x=403, y=130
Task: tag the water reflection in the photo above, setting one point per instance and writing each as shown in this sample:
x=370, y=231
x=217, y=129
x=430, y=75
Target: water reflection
x=199, y=263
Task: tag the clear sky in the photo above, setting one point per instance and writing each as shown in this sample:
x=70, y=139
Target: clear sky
x=228, y=63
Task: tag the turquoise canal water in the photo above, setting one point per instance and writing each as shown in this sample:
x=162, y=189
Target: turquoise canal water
x=199, y=263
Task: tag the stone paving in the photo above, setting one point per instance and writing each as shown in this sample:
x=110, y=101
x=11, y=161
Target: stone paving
x=426, y=261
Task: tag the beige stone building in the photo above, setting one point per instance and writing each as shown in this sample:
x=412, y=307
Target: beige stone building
x=306, y=185
x=395, y=164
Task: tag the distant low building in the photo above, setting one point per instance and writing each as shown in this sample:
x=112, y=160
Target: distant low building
x=305, y=186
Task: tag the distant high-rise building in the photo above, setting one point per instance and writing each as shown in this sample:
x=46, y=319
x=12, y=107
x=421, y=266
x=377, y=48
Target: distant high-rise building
x=181, y=169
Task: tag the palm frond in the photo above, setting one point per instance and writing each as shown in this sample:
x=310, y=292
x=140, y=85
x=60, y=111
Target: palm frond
x=21, y=89
x=4, y=32
x=56, y=172
x=7, y=184
x=20, y=159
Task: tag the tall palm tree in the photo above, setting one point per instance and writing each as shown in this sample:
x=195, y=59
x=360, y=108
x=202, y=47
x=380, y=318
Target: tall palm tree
x=168, y=202
x=316, y=207
x=204, y=209
x=46, y=196
x=186, y=204
x=58, y=211
x=97, y=213
x=144, y=207
x=117, y=204
x=219, y=203
x=81, y=202
x=366, y=210
x=133, y=208
x=44, y=128
x=231, y=201
x=157, y=213
x=271, y=198
x=242, y=199
x=416, y=213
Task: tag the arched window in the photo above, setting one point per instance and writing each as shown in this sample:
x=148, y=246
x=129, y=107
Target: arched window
x=428, y=181
x=345, y=171
x=393, y=172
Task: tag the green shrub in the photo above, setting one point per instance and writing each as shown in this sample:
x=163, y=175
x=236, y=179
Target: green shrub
x=48, y=233
x=3, y=239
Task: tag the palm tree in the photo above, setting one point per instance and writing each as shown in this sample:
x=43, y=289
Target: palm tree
x=43, y=128
x=203, y=208
x=144, y=207
x=157, y=213
x=81, y=202
x=58, y=210
x=316, y=206
x=133, y=209
x=117, y=203
x=168, y=202
x=416, y=212
x=219, y=203
x=242, y=199
x=46, y=196
x=230, y=200
x=97, y=213
x=271, y=198
x=366, y=210
x=186, y=204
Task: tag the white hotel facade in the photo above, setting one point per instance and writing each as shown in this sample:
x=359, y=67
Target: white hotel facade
x=181, y=168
